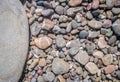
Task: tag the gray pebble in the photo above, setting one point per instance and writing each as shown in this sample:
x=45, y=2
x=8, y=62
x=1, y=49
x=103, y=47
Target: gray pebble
x=83, y=34
x=112, y=39
x=73, y=51
x=49, y=76
x=47, y=12
x=116, y=10
x=60, y=42
x=56, y=29
x=59, y=10
x=74, y=24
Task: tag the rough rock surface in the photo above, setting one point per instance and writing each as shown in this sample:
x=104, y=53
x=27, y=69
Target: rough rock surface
x=13, y=40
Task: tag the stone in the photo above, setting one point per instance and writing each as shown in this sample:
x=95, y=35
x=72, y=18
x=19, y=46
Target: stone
x=38, y=11
x=96, y=13
x=95, y=24
x=47, y=5
x=56, y=29
x=73, y=51
x=98, y=54
x=47, y=12
x=14, y=40
x=62, y=0
x=116, y=10
x=93, y=34
x=109, y=69
x=110, y=3
x=107, y=23
x=40, y=79
x=112, y=39
x=74, y=2
x=47, y=24
x=35, y=28
x=91, y=67
x=102, y=43
x=74, y=24
x=118, y=74
x=59, y=10
x=49, y=76
x=61, y=79
x=83, y=34
x=42, y=62
x=82, y=57
x=33, y=80
x=79, y=70
x=32, y=63
x=112, y=50
x=43, y=42
x=107, y=59
x=89, y=15
x=59, y=66
x=60, y=42
x=95, y=4
x=69, y=27
x=70, y=12
x=90, y=47
x=116, y=26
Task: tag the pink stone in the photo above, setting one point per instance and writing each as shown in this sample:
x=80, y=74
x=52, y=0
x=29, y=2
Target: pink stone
x=75, y=2
x=109, y=69
x=43, y=42
x=95, y=4
x=98, y=54
x=107, y=23
x=102, y=43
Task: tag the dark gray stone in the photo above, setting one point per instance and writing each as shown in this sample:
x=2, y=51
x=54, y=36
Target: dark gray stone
x=14, y=35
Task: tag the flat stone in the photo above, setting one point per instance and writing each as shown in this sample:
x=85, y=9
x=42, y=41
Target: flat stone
x=14, y=40
x=91, y=67
x=42, y=62
x=109, y=69
x=107, y=59
x=75, y=2
x=59, y=66
x=102, y=43
x=95, y=24
x=40, y=79
x=73, y=51
x=82, y=57
x=43, y=42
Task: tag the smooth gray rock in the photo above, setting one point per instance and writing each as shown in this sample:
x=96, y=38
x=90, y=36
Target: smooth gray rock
x=14, y=37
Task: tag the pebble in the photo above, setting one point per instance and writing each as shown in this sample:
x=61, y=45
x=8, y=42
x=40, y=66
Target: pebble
x=60, y=42
x=32, y=63
x=40, y=79
x=107, y=23
x=42, y=62
x=69, y=27
x=83, y=34
x=56, y=29
x=70, y=12
x=107, y=59
x=62, y=0
x=95, y=4
x=49, y=76
x=59, y=10
x=74, y=2
x=74, y=24
x=116, y=26
x=95, y=24
x=91, y=67
x=38, y=11
x=59, y=66
x=109, y=69
x=110, y=3
x=82, y=57
x=116, y=10
x=98, y=54
x=118, y=74
x=89, y=15
x=33, y=80
x=93, y=34
x=90, y=47
x=79, y=70
x=112, y=39
x=73, y=51
x=61, y=79
x=102, y=43
x=47, y=12
x=47, y=24
x=43, y=42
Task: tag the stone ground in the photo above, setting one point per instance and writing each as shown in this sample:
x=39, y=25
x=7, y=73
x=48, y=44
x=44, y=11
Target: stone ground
x=73, y=41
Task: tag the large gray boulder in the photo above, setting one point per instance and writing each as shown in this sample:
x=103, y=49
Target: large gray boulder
x=14, y=39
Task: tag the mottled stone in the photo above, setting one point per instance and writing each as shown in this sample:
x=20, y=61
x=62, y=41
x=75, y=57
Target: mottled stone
x=107, y=59
x=43, y=42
